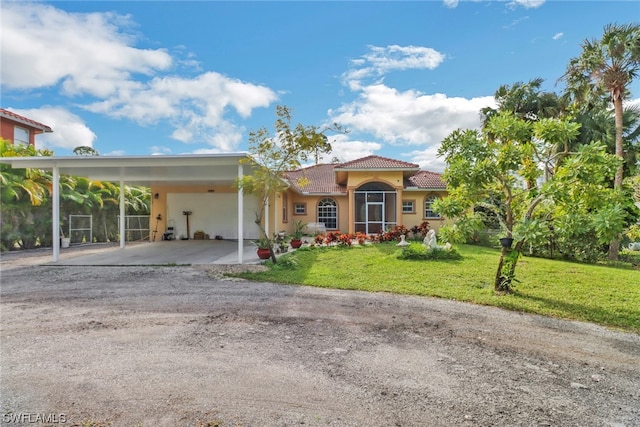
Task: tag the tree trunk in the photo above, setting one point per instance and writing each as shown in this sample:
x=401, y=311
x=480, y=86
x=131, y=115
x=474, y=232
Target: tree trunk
x=505, y=275
x=614, y=245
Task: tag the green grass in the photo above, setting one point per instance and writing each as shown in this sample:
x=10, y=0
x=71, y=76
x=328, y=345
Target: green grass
x=594, y=293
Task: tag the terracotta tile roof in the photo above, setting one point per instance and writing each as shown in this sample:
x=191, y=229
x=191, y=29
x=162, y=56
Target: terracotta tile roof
x=321, y=178
x=24, y=120
x=425, y=179
x=376, y=162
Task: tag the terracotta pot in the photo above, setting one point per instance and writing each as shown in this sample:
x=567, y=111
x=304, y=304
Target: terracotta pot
x=264, y=253
x=295, y=243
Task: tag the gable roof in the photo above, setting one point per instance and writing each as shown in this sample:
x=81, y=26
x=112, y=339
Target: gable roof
x=376, y=162
x=10, y=115
x=321, y=179
x=425, y=179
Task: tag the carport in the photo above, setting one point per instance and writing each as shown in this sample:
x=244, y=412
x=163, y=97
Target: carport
x=179, y=170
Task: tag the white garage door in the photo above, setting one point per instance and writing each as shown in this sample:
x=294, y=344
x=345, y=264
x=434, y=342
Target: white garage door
x=214, y=213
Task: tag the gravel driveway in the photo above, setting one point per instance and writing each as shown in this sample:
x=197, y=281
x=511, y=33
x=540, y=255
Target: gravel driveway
x=181, y=346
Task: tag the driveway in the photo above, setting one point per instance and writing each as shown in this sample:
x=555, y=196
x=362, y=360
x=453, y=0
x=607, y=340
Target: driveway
x=181, y=346
x=166, y=252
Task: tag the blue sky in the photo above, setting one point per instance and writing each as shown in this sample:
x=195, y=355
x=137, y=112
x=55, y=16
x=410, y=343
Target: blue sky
x=169, y=77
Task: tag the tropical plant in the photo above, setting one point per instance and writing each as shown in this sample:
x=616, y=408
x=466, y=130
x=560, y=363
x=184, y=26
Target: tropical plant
x=298, y=229
x=607, y=66
x=516, y=168
x=274, y=154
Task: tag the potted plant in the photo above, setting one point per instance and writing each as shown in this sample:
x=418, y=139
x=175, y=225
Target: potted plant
x=298, y=232
x=264, y=247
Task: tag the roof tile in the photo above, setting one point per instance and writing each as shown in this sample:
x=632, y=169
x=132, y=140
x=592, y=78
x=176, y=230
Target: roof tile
x=425, y=179
x=376, y=162
x=322, y=178
x=18, y=118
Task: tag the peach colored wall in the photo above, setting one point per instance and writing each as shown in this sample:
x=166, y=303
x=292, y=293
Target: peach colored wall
x=408, y=220
x=276, y=221
x=311, y=214
x=357, y=178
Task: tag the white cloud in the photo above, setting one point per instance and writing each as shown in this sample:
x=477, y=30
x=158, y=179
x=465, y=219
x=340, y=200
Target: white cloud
x=381, y=60
x=427, y=159
x=451, y=3
x=93, y=55
x=409, y=117
x=88, y=53
x=346, y=149
x=157, y=150
x=527, y=4
x=69, y=130
x=558, y=36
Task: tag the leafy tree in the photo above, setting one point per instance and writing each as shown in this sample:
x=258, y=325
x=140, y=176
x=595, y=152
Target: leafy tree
x=273, y=154
x=607, y=66
x=515, y=169
x=525, y=100
x=85, y=150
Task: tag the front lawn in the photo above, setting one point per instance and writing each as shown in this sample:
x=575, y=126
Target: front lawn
x=600, y=294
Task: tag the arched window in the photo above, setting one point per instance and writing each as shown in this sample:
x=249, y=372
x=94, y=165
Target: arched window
x=428, y=207
x=328, y=213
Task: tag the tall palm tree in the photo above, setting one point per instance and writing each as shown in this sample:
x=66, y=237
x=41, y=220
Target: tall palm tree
x=607, y=66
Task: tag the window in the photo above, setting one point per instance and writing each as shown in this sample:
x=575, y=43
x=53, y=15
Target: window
x=300, y=209
x=328, y=213
x=20, y=136
x=285, y=202
x=428, y=207
x=408, y=206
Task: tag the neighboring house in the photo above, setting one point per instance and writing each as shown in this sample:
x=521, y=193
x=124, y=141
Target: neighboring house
x=20, y=129
x=367, y=195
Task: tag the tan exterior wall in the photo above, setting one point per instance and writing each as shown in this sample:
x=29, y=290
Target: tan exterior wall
x=281, y=213
x=418, y=197
x=311, y=209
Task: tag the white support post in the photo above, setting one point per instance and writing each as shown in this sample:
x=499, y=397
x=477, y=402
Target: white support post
x=122, y=217
x=56, y=214
x=240, y=216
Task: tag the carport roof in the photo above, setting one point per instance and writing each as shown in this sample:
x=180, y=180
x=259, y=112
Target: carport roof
x=185, y=169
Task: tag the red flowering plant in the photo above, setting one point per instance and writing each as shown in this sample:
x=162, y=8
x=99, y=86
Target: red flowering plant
x=346, y=239
x=421, y=230
x=319, y=239
x=361, y=237
x=331, y=237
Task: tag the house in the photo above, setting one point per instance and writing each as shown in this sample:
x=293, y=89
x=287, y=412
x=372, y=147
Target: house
x=20, y=129
x=366, y=195
x=193, y=193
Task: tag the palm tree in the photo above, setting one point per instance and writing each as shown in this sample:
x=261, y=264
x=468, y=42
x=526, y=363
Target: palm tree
x=607, y=66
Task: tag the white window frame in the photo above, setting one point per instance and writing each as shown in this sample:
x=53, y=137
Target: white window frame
x=327, y=215
x=428, y=205
x=25, y=132
x=408, y=206
x=299, y=208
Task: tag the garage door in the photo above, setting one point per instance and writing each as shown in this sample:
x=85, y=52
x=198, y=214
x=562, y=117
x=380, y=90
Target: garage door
x=214, y=213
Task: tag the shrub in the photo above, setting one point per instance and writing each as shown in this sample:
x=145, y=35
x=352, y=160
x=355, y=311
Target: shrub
x=417, y=251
